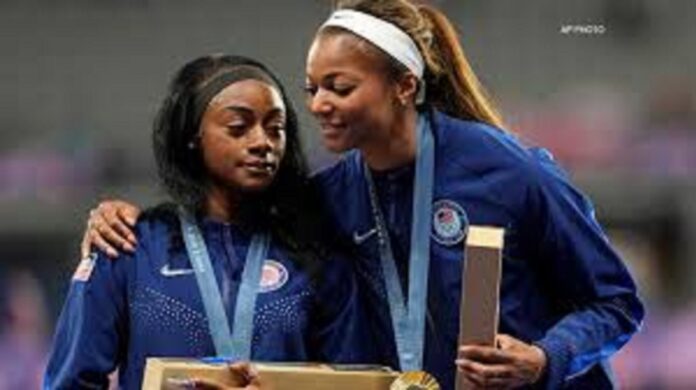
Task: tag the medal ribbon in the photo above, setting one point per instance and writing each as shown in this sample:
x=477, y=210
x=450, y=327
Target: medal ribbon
x=235, y=345
x=408, y=318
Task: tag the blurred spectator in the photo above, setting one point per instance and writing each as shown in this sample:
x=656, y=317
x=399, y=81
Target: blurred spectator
x=667, y=145
x=662, y=354
x=585, y=127
x=23, y=332
x=676, y=356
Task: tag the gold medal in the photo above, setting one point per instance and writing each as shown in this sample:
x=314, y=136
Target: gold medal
x=415, y=380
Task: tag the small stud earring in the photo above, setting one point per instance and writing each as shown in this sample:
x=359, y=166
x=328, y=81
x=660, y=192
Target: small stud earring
x=191, y=145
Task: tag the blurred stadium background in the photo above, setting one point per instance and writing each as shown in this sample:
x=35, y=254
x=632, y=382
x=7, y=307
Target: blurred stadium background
x=608, y=86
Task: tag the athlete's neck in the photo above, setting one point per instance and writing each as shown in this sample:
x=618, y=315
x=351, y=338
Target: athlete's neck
x=394, y=147
x=222, y=204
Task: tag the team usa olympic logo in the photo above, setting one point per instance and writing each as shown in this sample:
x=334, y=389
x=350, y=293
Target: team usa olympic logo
x=450, y=223
x=274, y=275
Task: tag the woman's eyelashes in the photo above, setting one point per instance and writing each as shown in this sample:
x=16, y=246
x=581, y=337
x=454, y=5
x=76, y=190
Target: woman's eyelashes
x=273, y=128
x=339, y=88
x=237, y=128
x=310, y=89
x=343, y=89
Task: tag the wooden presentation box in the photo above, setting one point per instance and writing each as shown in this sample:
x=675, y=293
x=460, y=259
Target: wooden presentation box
x=480, y=290
x=277, y=376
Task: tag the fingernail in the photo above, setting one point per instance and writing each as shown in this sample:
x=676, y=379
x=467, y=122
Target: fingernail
x=132, y=239
x=127, y=246
x=131, y=221
x=111, y=252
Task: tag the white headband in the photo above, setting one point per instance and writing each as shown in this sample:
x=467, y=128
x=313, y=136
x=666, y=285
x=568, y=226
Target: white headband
x=382, y=34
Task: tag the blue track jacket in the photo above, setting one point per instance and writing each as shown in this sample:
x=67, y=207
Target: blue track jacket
x=148, y=304
x=564, y=288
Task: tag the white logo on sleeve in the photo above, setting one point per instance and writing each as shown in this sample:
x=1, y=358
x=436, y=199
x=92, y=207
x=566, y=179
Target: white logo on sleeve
x=85, y=268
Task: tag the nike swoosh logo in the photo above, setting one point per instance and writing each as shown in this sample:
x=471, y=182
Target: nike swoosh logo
x=360, y=238
x=170, y=273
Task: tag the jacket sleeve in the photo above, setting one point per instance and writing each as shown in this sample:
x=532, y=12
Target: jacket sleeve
x=91, y=331
x=587, y=278
x=341, y=333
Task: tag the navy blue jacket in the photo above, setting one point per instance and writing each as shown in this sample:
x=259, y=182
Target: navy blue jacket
x=148, y=304
x=564, y=288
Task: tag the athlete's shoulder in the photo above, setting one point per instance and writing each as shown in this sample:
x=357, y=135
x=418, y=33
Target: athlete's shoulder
x=156, y=230
x=154, y=221
x=339, y=175
x=550, y=180
x=480, y=149
x=477, y=141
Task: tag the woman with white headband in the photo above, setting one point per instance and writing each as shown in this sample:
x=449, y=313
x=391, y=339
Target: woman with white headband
x=427, y=155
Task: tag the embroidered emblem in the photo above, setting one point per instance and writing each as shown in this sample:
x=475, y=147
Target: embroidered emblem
x=274, y=275
x=84, y=269
x=450, y=223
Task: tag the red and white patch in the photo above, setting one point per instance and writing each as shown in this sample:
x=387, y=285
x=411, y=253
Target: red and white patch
x=274, y=275
x=84, y=268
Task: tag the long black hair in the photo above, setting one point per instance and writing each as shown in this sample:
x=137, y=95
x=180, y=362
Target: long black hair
x=290, y=207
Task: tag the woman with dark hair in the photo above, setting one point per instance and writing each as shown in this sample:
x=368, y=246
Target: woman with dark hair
x=227, y=148
x=428, y=155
